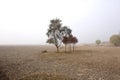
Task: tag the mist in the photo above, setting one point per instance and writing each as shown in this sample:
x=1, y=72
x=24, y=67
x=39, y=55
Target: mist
x=27, y=21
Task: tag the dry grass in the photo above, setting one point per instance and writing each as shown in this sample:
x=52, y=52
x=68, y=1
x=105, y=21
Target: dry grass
x=45, y=76
x=87, y=63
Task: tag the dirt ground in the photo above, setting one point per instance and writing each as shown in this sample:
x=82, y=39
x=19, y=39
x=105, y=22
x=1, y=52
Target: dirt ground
x=86, y=63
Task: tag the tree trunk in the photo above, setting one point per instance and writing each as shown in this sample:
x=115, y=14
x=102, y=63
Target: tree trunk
x=73, y=47
x=65, y=47
x=57, y=49
x=70, y=47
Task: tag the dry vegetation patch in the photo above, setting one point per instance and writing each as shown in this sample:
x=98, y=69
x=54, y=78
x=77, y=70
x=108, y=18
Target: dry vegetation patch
x=44, y=76
x=87, y=63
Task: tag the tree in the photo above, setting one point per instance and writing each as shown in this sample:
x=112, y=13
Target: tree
x=115, y=40
x=74, y=41
x=65, y=41
x=70, y=40
x=70, y=37
x=66, y=34
x=98, y=42
x=54, y=34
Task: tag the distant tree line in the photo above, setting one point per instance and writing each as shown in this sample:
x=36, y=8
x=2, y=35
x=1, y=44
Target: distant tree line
x=114, y=39
x=58, y=34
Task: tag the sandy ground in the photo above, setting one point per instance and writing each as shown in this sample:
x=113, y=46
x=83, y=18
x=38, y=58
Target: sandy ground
x=86, y=63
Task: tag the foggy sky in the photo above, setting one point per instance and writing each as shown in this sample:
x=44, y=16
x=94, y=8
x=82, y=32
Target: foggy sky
x=26, y=21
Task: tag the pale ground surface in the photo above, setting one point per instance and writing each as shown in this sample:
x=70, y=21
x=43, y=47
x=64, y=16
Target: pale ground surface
x=87, y=63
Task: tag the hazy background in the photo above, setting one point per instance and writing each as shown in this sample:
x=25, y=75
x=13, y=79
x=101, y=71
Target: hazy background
x=26, y=21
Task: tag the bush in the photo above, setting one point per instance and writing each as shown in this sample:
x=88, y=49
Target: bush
x=115, y=40
x=98, y=42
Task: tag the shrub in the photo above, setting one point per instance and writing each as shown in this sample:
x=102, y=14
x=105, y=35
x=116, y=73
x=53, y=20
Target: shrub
x=115, y=40
x=98, y=42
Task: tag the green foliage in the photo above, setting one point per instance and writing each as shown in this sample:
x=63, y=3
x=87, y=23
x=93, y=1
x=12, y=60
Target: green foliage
x=55, y=24
x=70, y=39
x=98, y=42
x=50, y=41
x=115, y=40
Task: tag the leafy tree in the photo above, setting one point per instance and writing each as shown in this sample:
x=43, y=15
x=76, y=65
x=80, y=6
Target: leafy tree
x=115, y=40
x=98, y=42
x=65, y=41
x=74, y=41
x=56, y=32
x=69, y=40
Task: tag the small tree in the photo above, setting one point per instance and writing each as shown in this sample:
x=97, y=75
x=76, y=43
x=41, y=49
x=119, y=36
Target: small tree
x=115, y=40
x=66, y=34
x=74, y=41
x=98, y=42
x=65, y=42
x=70, y=40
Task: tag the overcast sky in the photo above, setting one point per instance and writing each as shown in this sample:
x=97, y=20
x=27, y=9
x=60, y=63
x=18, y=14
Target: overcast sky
x=26, y=21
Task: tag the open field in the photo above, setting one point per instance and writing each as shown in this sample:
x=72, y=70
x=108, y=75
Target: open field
x=86, y=63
